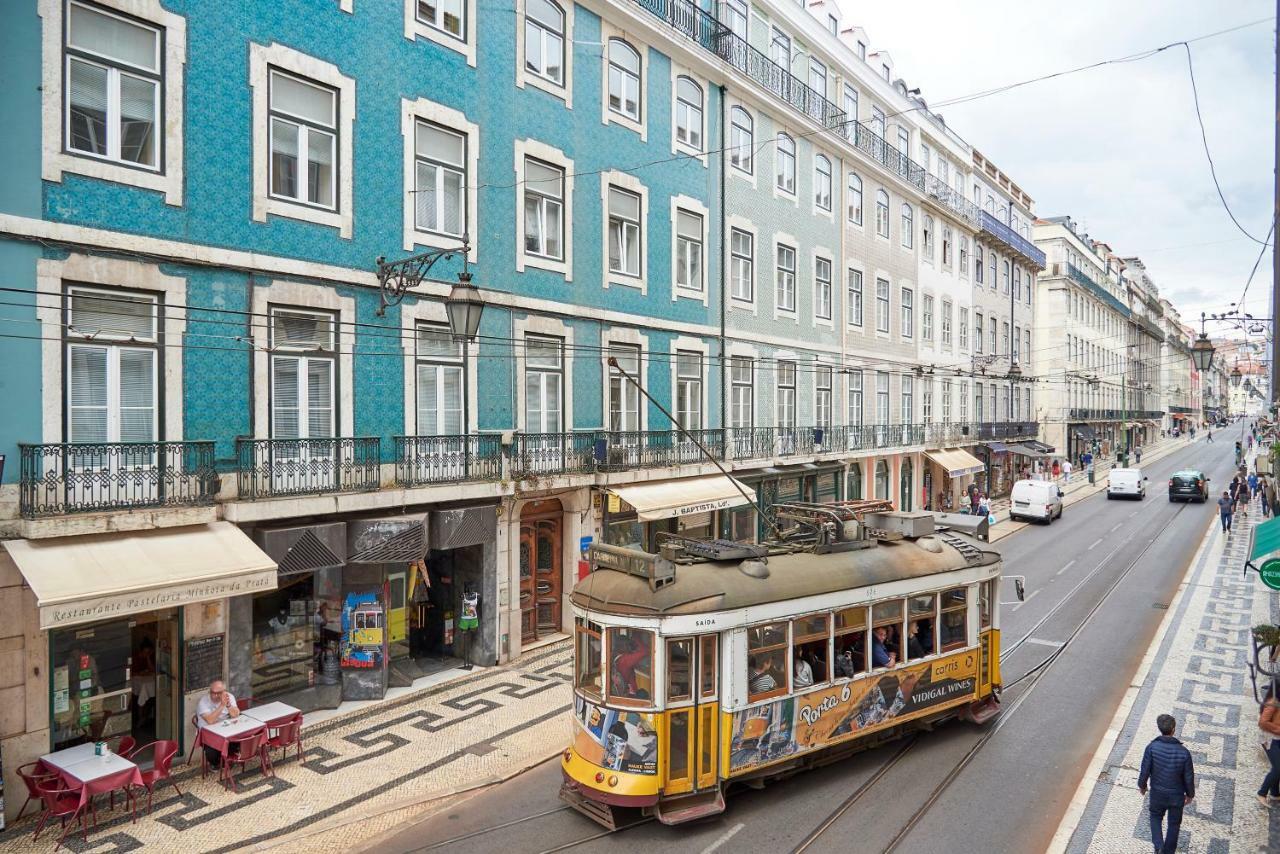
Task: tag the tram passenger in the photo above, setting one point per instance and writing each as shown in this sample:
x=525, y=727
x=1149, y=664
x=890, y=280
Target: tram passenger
x=920, y=641
x=761, y=679
x=625, y=664
x=880, y=646
x=804, y=672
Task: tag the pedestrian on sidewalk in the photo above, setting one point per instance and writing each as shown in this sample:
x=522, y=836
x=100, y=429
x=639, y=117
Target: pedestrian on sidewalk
x=1225, y=511
x=1137, y=455
x=1208, y=439
x=1057, y=469
x=1269, y=724
x=1253, y=484
x=1066, y=470
x=1167, y=766
x=1268, y=496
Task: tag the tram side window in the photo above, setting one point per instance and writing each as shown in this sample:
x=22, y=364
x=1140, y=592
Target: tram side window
x=767, y=661
x=851, y=642
x=921, y=625
x=886, y=633
x=679, y=677
x=588, y=658
x=631, y=665
x=810, y=661
x=954, y=618
x=707, y=664
x=986, y=595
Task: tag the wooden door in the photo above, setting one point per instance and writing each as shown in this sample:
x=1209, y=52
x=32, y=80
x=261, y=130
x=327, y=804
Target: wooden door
x=541, y=570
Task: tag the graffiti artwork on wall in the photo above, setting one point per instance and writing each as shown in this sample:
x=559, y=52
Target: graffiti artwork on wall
x=363, y=630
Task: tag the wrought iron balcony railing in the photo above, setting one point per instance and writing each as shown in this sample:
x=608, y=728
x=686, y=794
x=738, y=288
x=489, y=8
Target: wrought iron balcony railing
x=545, y=454
x=1010, y=238
x=951, y=198
x=59, y=478
x=424, y=460
x=272, y=468
x=1003, y=430
x=622, y=450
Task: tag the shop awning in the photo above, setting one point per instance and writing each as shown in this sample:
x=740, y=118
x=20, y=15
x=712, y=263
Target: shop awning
x=1084, y=431
x=1028, y=451
x=96, y=576
x=670, y=498
x=996, y=447
x=1039, y=446
x=1266, y=540
x=956, y=462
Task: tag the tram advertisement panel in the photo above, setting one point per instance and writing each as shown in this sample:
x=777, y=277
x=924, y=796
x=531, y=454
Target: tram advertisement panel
x=829, y=715
x=618, y=740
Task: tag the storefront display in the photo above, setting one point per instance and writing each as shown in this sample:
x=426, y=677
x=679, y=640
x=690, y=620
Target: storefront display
x=295, y=629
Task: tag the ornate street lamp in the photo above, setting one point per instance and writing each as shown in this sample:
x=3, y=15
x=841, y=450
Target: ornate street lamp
x=1202, y=350
x=1235, y=376
x=464, y=306
x=1015, y=372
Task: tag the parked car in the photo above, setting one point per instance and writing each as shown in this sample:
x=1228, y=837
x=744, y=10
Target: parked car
x=1189, y=485
x=1126, y=483
x=1035, y=500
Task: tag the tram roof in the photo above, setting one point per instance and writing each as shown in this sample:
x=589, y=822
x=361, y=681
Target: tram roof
x=719, y=585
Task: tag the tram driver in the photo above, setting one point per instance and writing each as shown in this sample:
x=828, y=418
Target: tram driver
x=880, y=648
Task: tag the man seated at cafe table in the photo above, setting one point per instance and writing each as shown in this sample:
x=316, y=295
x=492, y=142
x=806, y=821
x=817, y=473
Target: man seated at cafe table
x=214, y=707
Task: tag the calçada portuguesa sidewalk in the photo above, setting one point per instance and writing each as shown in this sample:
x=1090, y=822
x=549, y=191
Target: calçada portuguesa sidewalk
x=364, y=773
x=1197, y=669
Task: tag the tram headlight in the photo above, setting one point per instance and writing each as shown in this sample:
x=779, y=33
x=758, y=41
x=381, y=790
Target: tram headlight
x=599, y=776
x=613, y=779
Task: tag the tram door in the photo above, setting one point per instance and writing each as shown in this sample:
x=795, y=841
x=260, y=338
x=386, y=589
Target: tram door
x=693, y=712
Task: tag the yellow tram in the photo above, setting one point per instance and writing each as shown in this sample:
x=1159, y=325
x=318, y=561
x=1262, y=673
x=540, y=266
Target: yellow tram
x=716, y=662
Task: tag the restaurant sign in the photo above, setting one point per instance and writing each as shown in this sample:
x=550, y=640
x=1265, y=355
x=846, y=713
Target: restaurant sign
x=110, y=605
x=1269, y=572
x=774, y=731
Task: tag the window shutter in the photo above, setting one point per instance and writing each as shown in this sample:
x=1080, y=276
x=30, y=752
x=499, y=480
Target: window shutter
x=87, y=395
x=284, y=396
x=319, y=398
x=137, y=395
x=428, y=422
x=116, y=315
x=451, y=402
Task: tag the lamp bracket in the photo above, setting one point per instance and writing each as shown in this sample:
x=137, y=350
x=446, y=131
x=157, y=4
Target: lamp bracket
x=396, y=277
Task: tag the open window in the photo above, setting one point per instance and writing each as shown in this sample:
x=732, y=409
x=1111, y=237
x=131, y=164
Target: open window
x=955, y=614
x=767, y=674
x=921, y=626
x=851, y=648
x=886, y=633
x=810, y=654
x=631, y=666
x=588, y=659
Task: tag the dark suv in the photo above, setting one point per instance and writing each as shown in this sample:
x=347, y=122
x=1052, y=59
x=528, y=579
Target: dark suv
x=1189, y=485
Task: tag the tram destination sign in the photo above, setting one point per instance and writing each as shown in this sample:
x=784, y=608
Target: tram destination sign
x=653, y=568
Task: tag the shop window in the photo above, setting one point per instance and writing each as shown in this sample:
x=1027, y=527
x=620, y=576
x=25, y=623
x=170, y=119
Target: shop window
x=921, y=624
x=288, y=647
x=587, y=659
x=766, y=661
x=740, y=525
x=631, y=666
x=810, y=660
x=886, y=633
x=955, y=613
x=851, y=642
x=679, y=675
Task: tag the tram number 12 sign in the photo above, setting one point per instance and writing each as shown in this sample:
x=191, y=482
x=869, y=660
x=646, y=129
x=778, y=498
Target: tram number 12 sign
x=1269, y=572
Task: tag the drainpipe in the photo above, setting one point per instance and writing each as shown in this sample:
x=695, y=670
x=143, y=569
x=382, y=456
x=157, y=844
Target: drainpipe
x=724, y=276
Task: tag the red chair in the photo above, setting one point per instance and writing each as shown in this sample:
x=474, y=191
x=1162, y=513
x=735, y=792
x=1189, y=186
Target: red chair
x=125, y=745
x=288, y=734
x=243, y=750
x=60, y=803
x=32, y=773
x=244, y=704
x=162, y=758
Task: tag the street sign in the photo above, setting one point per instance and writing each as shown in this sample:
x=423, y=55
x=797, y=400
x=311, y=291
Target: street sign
x=1269, y=572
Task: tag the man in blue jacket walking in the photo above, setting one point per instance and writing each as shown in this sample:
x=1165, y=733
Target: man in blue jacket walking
x=1167, y=766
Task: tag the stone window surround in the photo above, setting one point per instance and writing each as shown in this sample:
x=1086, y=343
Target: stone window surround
x=429, y=111
x=630, y=183
x=632, y=338
x=691, y=205
x=523, y=77
x=413, y=29
x=677, y=147
x=608, y=116
x=684, y=342
x=432, y=311
x=540, y=325
x=541, y=151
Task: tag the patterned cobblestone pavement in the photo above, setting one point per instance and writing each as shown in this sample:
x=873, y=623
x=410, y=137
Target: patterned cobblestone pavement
x=1200, y=674
x=363, y=773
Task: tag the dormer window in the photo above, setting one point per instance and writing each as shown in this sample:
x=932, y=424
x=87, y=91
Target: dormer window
x=862, y=51
x=884, y=70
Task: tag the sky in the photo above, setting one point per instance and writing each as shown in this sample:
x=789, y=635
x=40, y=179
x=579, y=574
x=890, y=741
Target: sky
x=1117, y=148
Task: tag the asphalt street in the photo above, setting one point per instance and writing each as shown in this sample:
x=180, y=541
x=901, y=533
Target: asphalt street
x=1009, y=797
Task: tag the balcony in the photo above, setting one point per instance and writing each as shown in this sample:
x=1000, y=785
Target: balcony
x=277, y=468
x=427, y=460
x=61, y=478
x=1080, y=277
x=1002, y=431
x=623, y=450
x=711, y=35
x=1013, y=241
x=949, y=198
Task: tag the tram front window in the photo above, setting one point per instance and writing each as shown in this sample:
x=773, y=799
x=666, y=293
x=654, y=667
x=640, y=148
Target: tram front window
x=809, y=659
x=767, y=661
x=955, y=611
x=631, y=665
x=851, y=642
x=920, y=623
x=587, y=663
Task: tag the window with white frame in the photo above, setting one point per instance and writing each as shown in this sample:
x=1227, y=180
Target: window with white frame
x=926, y=238
x=822, y=182
x=926, y=157
x=991, y=268
x=882, y=398
x=1026, y=343
x=688, y=113
x=302, y=374
x=946, y=323
x=884, y=71
x=977, y=263
x=624, y=232
x=818, y=77
x=963, y=398
x=979, y=406
x=543, y=209
x=1017, y=342
x=882, y=305
x=833, y=25
x=862, y=51
x=850, y=108
x=624, y=80
x=688, y=250
x=742, y=264
x=741, y=140
x=543, y=384
x=689, y=389
x=977, y=332
x=441, y=382
x=786, y=409
x=544, y=37
x=304, y=140
x=853, y=309
x=780, y=49
x=882, y=213
x=926, y=402
x=734, y=16
x=1004, y=276
x=741, y=392
x=440, y=193
x=853, y=405
x=946, y=246
x=964, y=257
x=962, y=324
x=926, y=317
x=991, y=327
x=946, y=401
x=908, y=313
x=114, y=87
x=855, y=198
x=786, y=284
x=822, y=288
x=822, y=397
x=877, y=121
x=904, y=140
x=443, y=15
x=785, y=158
x=624, y=397
x=1004, y=339
x=112, y=367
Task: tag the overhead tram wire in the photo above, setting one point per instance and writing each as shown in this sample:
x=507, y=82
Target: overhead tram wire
x=1261, y=255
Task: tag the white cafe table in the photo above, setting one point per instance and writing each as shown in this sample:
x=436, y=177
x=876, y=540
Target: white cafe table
x=97, y=767
x=271, y=713
x=62, y=759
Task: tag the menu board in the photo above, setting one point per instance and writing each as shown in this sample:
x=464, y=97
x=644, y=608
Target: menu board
x=203, y=662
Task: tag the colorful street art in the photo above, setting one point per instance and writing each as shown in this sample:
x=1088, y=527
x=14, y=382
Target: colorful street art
x=773, y=731
x=619, y=740
x=363, y=630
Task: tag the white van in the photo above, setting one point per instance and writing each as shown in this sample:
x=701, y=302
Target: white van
x=1126, y=483
x=1035, y=499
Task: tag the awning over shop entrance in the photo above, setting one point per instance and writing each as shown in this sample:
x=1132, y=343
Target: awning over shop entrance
x=669, y=498
x=1266, y=540
x=1028, y=451
x=996, y=447
x=956, y=462
x=1084, y=431
x=1039, y=446
x=94, y=577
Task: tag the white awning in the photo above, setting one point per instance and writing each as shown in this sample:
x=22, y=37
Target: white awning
x=668, y=498
x=956, y=462
x=97, y=576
